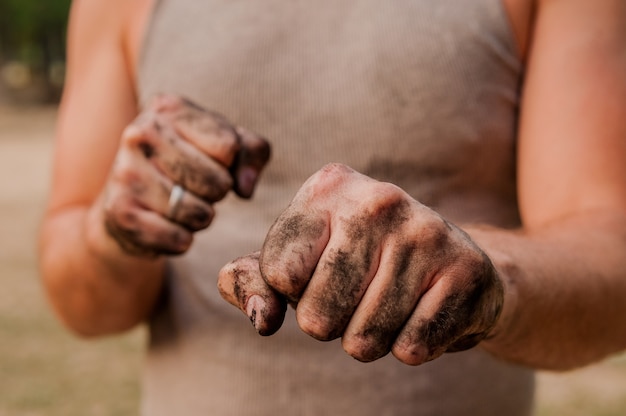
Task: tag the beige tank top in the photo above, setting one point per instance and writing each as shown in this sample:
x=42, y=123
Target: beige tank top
x=421, y=93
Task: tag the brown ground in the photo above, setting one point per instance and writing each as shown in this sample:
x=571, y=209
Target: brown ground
x=46, y=371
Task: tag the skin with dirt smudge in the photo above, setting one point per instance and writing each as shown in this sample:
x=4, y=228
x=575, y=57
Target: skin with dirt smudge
x=252, y=292
x=385, y=273
x=176, y=142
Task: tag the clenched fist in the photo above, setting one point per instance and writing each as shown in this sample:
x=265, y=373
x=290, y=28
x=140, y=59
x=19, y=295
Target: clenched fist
x=361, y=260
x=174, y=162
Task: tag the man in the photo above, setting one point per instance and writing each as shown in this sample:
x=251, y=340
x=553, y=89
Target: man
x=465, y=225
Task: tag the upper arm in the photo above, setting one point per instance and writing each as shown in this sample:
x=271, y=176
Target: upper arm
x=572, y=141
x=98, y=101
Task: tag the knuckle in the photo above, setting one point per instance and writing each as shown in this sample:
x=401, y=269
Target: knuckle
x=385, y=200
x=126, y=173
x=168, y=102
x=228, y=136
x=224, y=141
x=434, y=233
x=140, y=130
x=330, y=177
x=383, y=209
x=477, y=263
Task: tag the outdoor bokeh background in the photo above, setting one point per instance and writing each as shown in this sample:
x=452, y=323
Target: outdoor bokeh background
x=45, y=370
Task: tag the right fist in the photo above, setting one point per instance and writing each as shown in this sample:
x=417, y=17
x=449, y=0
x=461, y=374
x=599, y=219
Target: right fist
x=175, y=160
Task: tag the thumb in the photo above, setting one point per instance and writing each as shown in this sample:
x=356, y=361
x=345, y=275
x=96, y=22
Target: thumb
x=249, y=162
x=240, y=283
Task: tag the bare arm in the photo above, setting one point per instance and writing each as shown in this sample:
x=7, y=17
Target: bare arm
x=93, y=285
x=410, y=283
x=566, y=269
x=109, y=224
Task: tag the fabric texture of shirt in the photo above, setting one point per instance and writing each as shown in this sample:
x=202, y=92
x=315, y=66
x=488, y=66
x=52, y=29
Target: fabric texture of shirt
x=420, y=93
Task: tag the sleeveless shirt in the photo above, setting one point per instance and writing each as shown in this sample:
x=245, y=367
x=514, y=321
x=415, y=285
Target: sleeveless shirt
x=420, y=93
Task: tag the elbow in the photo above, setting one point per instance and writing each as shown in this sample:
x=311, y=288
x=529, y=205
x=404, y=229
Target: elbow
x=86, y=315
x=94, y=330
x=90, y=322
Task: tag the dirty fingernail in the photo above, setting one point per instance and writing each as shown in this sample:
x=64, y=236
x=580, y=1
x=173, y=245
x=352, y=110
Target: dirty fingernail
x=254, y=310
x=246, y=179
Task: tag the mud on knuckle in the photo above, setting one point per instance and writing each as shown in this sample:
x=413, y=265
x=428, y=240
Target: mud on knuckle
x=477, y=263
x=434, y=235
x=473, y=271
x=290, y=244
x=385, y=203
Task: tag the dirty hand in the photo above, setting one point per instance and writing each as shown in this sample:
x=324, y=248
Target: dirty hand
x=361, y=260
x=175, y=160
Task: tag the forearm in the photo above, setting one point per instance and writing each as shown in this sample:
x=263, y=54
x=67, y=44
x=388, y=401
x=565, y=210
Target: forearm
x=95, y=288
x=564, y=290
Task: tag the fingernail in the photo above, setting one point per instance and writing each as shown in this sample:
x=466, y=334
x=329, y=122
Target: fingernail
x=254, y=310
x=246, y=179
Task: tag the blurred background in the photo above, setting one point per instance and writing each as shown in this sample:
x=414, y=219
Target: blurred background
x=32, y=47
x=44, y=370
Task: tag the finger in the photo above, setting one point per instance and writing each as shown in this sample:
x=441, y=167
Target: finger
x=244, y=151
x=296, y=240
x=388, y=302
x=416, y=245
x=150, y=189
x=191, y=212
x=341, y=277
x=210, y=132
x=250, y=161
x=240, y=283
x=291, y=250
x=178, y=159
x=145, y=233
x=455, y=310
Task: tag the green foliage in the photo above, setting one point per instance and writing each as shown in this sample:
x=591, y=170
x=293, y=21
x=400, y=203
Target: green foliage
x=33, y=31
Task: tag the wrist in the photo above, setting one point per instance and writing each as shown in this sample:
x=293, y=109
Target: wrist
x=502, y=335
